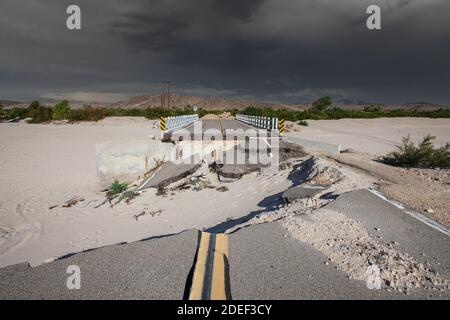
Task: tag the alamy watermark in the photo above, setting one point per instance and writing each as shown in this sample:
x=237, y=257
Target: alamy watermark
x=240, y=146
x=374, y=20
x=73, y=21
x=74, y=280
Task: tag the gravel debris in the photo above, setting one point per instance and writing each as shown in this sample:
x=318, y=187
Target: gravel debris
x=353, y=250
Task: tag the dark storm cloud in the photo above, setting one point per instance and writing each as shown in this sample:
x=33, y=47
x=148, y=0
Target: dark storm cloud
x=268, y=49
x=319, y=44
x=237, y=8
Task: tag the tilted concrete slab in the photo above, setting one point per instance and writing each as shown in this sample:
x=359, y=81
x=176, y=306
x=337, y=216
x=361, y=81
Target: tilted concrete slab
x=168, y=173
x=236, y=171
x=126, y=161
x=302, y=192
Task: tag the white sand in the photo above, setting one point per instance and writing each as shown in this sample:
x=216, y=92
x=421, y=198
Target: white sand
x=374, y=136
x=45, y=165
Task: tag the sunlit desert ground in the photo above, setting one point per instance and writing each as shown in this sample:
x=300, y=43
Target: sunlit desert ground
x=43, y=165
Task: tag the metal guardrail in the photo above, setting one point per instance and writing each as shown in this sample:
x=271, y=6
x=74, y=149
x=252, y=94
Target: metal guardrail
x=268, y=123
x=171, y=123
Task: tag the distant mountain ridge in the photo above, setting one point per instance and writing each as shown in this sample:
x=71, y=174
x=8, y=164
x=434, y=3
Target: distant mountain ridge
x=219, y=103
x=212, y=103
x=7, y=103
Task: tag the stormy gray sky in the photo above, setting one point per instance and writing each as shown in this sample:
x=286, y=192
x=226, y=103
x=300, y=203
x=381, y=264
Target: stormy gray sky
x=275, y=50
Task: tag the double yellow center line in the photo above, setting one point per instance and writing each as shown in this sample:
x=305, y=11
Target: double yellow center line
x=210, y=280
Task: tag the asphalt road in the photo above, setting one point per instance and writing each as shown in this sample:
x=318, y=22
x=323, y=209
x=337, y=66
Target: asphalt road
x=222, y=124
x=156, y=268
x=267, y=265
x=263, y=263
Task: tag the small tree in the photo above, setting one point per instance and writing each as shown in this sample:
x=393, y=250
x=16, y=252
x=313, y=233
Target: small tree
x=61, y=110
x=322, y=104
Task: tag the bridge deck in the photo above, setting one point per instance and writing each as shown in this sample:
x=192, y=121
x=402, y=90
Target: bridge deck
x=211, y=128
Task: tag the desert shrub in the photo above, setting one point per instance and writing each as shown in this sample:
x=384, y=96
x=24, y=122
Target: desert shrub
x=7, y=114
x=17, y=113
x=88, y=113
x=61, y=110
x=128, y=196
x=422, y=155
x=303, y=123
x=372, y=108
x=38, y=113
x=117, y=188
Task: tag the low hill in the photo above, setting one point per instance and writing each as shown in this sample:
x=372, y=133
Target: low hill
x=212, y=103
x=9, y=103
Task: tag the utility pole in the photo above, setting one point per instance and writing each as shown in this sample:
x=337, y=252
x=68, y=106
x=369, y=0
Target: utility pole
x=166, y=93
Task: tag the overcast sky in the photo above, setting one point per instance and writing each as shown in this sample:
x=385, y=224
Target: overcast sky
x=275, y=50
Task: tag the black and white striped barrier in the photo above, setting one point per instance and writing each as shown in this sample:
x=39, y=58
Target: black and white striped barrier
x=171, y=123
x=268, y=123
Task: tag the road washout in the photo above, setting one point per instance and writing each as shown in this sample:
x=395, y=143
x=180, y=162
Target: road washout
x=425, y=190
x=344, y=241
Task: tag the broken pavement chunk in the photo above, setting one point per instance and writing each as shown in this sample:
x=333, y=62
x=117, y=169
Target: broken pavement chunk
x=302, y=191
x=168, y=173
x=236, y=171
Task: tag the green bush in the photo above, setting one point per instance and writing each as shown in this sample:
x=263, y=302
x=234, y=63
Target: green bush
x=39, y=114
x=87, y=113
x=423, y=155
x=17, y=112
x=116, y=188
x=372, y=108
x=61, y=110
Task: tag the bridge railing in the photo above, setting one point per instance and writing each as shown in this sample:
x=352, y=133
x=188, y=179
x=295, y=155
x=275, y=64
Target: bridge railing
x=268, y=123
x=176, y=122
